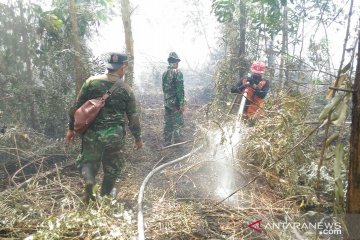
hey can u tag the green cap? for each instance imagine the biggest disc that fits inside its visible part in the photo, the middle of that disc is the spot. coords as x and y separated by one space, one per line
173 57
116 60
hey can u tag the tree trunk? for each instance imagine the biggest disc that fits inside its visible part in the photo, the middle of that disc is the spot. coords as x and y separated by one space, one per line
34 122
271 57
242 23
126 14
353 190
284 45
76 45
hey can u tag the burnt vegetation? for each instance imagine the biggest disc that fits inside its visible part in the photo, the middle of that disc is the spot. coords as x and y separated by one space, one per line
288 166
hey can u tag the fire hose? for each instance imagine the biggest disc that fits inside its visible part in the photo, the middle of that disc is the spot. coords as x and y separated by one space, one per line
245 95
140 217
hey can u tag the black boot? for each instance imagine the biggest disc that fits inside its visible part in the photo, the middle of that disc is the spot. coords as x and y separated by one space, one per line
89 177
178 135
167 139
107 185
178 138
89 193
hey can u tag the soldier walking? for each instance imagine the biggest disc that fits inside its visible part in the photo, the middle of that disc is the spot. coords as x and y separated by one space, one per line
104 141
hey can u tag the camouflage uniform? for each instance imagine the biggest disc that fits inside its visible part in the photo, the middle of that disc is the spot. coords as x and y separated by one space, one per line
103 142
173 88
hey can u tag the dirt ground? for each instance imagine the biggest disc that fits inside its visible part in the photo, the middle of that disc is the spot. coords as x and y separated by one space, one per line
182 201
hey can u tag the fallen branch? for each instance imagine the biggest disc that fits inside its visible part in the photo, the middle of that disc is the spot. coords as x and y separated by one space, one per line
342 89
37 176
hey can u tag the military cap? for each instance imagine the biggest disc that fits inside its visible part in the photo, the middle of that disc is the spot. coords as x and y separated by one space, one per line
173 57
116 60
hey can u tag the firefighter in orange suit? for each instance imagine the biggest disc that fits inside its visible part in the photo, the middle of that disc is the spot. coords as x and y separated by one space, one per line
256 88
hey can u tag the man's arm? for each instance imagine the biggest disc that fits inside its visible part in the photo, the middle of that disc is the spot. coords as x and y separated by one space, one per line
81 99
134 120
239 86
262 88
180 92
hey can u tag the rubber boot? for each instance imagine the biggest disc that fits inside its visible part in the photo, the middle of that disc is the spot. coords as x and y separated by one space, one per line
89 177
107 185
167 139
178 138
89 193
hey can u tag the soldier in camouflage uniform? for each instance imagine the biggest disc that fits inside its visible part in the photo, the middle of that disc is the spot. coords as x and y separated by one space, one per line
173 88
104 141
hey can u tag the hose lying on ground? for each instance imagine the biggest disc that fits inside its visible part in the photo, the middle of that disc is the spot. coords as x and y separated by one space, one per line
140 222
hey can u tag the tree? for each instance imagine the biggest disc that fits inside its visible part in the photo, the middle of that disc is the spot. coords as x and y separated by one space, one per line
353 190
17 73
242 31
284 49
76 45
34 123
36 53
129 41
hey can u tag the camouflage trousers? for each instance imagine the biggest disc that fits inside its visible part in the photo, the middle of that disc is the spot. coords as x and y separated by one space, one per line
103 147
173 124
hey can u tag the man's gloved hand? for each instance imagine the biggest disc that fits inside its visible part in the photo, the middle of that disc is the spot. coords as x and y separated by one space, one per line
239 89
242 87
246 85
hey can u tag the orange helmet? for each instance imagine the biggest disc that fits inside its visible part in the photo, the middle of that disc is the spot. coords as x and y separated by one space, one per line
257 67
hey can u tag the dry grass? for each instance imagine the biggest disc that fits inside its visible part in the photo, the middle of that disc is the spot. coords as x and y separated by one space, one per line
180 202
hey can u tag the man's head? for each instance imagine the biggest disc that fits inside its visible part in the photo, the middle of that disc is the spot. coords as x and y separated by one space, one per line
173 58
117 62
257 68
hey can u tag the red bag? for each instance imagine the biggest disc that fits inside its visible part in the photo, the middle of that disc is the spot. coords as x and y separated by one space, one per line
86 114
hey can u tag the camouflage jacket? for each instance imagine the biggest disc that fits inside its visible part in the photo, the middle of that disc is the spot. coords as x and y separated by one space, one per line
173 88
119 105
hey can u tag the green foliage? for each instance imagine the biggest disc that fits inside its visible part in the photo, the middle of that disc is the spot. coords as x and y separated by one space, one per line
296 173
51 62
266 13
225 77
223 10
318 52
330 107
276 134
336 111
48 21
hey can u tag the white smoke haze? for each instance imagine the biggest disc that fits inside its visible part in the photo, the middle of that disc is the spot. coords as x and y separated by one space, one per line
160 27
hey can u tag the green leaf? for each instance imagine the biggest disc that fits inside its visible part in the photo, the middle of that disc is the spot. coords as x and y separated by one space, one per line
340 111
223 10
332 138
337 84
329 107
339 157
346 68
342 77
